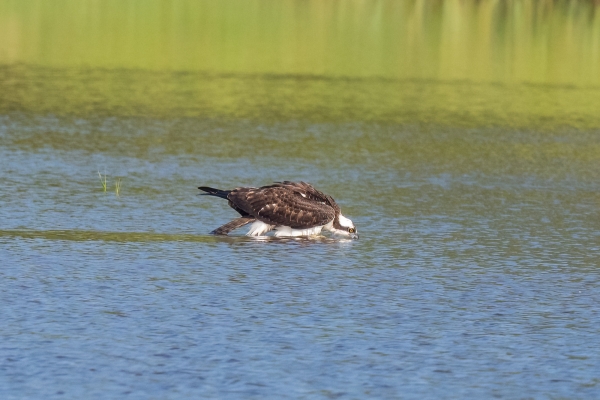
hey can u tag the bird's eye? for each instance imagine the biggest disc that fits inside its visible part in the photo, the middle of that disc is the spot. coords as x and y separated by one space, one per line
351 230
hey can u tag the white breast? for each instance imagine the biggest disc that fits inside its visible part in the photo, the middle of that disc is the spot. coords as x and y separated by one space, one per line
286 231
259 228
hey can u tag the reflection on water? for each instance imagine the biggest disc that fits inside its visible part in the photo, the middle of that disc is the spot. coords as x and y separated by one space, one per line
133 237
95 92
457 63
545 41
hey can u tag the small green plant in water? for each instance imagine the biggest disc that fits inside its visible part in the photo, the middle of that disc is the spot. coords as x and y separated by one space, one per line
102 181
118 187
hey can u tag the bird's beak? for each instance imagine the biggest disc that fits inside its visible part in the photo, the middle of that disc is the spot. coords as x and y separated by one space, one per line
354 236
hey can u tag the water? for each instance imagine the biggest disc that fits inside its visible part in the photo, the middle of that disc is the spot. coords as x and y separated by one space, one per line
467 155
475 274
542 42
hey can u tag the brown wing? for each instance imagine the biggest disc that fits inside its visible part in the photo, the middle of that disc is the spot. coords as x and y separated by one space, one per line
236 223
284 204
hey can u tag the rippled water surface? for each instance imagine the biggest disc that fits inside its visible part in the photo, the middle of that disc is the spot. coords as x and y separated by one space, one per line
475 275
462 138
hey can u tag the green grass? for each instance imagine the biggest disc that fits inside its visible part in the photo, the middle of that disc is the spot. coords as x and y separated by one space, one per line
118 187
102 180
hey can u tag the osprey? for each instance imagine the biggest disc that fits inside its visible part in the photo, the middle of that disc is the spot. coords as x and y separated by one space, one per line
288 208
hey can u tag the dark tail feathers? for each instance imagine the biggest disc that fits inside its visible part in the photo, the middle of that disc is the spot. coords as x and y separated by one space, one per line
214 192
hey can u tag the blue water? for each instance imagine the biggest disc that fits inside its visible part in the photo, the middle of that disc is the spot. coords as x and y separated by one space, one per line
470 280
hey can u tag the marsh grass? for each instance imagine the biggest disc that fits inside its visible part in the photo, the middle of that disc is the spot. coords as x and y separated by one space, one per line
102 180
118 187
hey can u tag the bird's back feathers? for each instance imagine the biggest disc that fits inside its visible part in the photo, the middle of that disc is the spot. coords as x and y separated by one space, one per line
295 205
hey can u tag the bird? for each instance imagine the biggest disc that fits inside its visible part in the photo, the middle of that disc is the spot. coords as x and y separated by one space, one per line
290 209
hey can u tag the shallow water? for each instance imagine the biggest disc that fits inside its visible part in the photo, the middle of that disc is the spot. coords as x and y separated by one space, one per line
462 138
475 275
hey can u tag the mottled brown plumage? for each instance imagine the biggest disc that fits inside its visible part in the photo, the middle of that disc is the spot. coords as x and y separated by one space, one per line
297 205
284 204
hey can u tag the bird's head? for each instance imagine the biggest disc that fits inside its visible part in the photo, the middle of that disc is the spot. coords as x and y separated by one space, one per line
344 227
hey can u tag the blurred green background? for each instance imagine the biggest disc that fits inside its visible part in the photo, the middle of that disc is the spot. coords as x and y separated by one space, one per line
514 63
